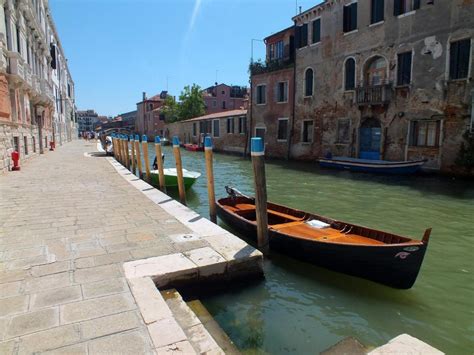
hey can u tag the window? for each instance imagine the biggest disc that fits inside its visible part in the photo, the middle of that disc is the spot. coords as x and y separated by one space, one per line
223 92
377 11
302 35
404 68
376 71
242 125
25 144
349 74
350 17
316 35
459 58
401 7
16 144
308 82
230 125
260 132
18 39
214 103
276 50
282 91
194 129
425 133
307 132
282 129
343 130
261 95
223 105
215 128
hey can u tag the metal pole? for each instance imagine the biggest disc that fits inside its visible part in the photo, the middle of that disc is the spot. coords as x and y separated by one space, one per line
179 170
159 162
258 163
210 178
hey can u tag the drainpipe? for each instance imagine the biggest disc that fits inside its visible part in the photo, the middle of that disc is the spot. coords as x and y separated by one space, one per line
248 134
288 153
39 122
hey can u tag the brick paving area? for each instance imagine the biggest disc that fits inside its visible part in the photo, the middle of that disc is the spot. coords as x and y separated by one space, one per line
68 221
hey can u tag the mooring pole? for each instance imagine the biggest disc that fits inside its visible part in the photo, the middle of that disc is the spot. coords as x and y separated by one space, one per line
258 163
127 153
124 155
159 162
210 178
117 148
132 150
119 143
114 145
137 153
145 157
179 170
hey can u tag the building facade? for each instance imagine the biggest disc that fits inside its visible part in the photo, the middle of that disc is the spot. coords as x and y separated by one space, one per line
149 118
385 79
228 130
36 88
222 97
86 120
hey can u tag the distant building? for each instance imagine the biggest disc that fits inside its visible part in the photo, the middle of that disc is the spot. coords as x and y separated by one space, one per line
86 120
149 118
129 118
222 97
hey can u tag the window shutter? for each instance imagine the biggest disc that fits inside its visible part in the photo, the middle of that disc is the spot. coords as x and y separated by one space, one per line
52 50
304 35
353 16
298 36
317 30
345 19
453 60
397 7
416 4
350 74
464 50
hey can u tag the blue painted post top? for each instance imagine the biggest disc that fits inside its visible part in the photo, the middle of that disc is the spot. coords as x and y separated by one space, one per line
176 141
207 142
131 138
157 139
137 137
256 146
144 138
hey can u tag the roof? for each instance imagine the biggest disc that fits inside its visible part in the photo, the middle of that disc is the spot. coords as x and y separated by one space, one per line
320 5
278 33
218 115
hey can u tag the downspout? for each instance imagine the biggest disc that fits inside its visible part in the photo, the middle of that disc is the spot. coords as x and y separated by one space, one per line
288 153
248 134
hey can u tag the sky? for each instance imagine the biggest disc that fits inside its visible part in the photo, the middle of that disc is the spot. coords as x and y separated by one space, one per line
117 49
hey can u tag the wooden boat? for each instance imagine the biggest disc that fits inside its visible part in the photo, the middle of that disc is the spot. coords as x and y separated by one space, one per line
171 178
372 166
379 256
193 148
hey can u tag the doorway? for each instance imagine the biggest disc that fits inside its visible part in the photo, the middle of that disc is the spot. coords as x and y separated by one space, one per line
370 135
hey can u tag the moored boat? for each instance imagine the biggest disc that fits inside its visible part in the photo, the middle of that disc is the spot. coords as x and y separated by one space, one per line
372 166
379 256
171 178
193 148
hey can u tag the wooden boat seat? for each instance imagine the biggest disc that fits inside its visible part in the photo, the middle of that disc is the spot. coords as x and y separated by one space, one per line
302 230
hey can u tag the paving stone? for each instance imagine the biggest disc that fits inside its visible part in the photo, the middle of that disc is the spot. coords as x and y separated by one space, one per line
7 347
97 273
12 275
200 338
153 251
13 305
149 300
62 279
110 324
53 268
165 332
33 321
183 347
209 261
104 287
10 289
76 349
50 339
55 297
3 327
135 342
95 308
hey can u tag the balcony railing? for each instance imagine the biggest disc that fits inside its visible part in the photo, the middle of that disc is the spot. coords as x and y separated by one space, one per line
16 65
260 67
374 94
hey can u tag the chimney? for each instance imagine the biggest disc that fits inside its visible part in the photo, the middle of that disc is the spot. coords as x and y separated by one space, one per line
300 9
144 96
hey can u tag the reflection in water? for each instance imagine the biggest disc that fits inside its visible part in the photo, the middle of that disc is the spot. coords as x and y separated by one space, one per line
302 308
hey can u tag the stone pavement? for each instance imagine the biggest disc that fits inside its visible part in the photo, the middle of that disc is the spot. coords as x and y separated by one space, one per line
68 222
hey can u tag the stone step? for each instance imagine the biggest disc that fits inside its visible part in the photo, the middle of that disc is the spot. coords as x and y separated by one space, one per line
197 334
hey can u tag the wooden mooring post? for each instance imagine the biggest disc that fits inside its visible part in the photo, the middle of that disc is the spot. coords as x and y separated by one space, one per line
146 158
120 150
132 151
257 153
159 162
114 145
179 170
127 153
210 178
138 155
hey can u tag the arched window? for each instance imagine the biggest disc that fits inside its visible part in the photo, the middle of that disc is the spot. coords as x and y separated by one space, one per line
376 71
308 82
349 74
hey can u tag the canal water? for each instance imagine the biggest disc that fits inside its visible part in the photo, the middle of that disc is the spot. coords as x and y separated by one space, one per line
301 308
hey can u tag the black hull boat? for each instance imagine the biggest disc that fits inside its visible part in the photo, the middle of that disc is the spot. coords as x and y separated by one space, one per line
359 251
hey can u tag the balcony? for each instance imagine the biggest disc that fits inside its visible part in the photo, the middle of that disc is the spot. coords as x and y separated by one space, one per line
46 90
374 95
260 67
16 65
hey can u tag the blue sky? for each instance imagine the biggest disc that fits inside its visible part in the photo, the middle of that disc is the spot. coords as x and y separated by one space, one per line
117 49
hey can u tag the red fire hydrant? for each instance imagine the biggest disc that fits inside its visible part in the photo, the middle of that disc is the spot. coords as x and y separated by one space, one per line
52 145
16 160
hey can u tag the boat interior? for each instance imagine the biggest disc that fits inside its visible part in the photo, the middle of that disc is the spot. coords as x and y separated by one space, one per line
295 223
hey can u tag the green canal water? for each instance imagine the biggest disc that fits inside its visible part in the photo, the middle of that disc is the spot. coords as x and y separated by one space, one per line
301 308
